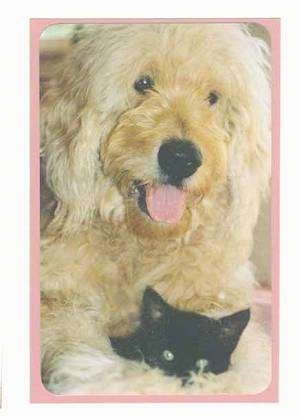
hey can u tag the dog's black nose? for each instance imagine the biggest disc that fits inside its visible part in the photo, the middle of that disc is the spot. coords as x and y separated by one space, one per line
178 159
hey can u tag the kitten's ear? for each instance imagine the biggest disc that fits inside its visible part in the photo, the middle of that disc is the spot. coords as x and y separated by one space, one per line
232 328
153 306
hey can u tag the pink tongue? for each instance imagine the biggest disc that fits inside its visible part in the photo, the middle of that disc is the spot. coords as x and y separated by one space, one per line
165 203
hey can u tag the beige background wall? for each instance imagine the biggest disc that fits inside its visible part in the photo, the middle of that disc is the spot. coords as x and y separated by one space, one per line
261 255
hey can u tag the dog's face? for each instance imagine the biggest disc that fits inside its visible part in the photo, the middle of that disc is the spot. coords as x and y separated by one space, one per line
148 122
168 149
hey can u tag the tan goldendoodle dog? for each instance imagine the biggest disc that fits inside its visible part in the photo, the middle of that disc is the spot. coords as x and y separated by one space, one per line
156 144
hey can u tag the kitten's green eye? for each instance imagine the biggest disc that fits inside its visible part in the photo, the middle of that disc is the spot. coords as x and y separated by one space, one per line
168 355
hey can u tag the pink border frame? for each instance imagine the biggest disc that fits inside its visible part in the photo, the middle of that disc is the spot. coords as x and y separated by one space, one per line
38 394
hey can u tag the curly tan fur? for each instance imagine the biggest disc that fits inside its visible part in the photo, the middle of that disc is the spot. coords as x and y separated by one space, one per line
100 250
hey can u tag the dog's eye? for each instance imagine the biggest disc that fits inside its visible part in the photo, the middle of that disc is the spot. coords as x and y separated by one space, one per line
213 97
143 84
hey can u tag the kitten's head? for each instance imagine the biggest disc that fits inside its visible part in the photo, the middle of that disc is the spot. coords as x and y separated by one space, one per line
180 342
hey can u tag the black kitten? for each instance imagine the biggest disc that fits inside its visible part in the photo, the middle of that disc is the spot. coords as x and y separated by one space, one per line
179 342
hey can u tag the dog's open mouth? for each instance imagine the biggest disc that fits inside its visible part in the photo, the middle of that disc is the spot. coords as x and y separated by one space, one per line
161 202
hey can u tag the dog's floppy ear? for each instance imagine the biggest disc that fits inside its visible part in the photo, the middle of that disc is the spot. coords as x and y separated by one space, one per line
249 124
71 132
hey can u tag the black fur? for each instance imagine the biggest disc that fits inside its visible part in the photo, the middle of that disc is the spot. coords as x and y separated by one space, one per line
188 336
